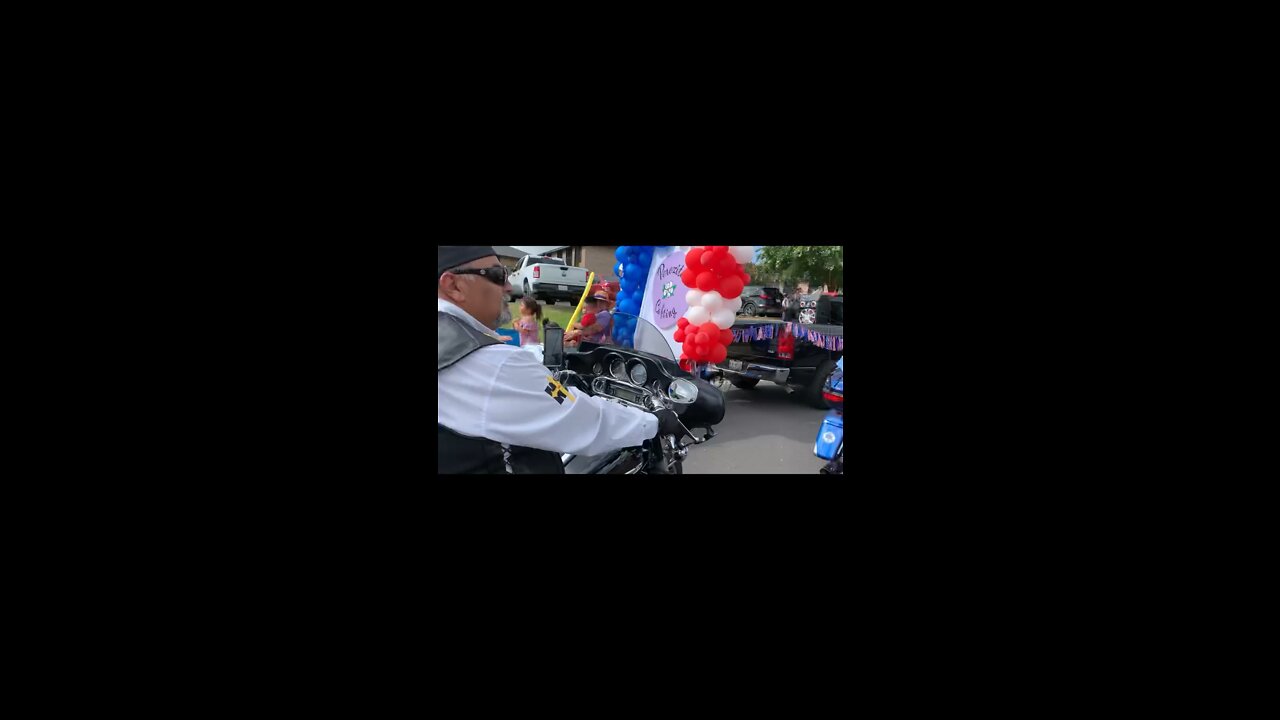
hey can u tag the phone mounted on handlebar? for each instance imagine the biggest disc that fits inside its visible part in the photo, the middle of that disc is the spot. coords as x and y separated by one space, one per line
553 345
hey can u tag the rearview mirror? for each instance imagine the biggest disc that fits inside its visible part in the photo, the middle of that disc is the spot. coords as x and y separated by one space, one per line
682 391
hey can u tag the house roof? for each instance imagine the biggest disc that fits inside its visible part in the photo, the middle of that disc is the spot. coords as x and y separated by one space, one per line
508 251
554 249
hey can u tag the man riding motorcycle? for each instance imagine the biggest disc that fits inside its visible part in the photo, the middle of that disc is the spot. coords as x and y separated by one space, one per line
498 409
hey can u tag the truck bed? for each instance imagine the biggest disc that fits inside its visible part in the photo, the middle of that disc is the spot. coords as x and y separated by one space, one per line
758 358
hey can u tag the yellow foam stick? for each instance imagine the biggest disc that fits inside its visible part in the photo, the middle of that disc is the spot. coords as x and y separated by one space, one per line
573 318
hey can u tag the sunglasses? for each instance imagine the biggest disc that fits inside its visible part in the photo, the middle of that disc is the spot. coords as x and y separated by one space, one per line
496 274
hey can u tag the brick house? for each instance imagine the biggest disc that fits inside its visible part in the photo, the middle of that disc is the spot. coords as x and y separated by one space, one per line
508 255
597 258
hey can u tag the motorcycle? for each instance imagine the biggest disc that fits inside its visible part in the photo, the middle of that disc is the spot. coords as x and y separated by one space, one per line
829 444
642 373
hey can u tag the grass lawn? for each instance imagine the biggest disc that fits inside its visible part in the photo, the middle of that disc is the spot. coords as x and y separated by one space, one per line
558 314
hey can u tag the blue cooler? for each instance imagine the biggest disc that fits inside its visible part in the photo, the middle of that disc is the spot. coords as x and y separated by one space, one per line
830 437
512 336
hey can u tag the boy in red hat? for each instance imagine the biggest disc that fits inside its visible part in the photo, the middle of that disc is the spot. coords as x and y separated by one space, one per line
596 323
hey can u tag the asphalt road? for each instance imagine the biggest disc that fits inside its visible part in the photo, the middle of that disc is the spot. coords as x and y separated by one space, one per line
764 431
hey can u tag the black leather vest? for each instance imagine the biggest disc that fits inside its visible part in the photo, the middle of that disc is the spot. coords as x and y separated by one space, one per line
460 454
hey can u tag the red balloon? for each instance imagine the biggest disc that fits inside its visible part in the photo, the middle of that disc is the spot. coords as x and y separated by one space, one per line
702 338
718 249
686 364
718 353
682 322
588 319
709 328
726 337
694 259
727 265
746 279
706 281
689 277
679 336
731 287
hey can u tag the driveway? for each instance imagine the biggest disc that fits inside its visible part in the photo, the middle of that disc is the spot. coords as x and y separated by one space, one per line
764 431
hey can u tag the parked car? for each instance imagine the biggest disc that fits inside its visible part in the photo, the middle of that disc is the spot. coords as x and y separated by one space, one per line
547 279
759 300
790 361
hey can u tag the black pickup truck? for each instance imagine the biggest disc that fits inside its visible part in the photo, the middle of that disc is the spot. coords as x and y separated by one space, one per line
787 359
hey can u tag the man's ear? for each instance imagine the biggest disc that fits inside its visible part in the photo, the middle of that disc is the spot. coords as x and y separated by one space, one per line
452 288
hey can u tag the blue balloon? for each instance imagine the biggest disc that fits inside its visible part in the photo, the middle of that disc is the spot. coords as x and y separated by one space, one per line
621 253
632 270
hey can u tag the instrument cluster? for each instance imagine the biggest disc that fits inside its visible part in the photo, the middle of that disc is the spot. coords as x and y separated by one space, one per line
618 375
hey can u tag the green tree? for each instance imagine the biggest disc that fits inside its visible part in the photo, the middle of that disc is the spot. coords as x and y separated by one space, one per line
815 263
762 276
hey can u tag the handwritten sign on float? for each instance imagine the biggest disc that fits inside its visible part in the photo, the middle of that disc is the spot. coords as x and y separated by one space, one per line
669 304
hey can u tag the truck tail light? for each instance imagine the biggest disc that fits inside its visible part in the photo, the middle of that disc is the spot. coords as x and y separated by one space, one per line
535 272
786 343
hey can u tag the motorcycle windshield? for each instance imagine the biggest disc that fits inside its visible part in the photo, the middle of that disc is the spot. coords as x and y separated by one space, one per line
636 333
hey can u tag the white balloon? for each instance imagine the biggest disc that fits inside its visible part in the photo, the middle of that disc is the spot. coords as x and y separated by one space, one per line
734 304
712 301
698 315
693 298
723 318
742 253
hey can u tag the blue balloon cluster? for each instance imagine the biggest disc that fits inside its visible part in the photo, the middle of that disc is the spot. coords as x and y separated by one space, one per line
633 269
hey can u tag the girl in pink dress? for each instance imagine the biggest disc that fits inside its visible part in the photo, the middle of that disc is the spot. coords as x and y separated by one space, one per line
527 325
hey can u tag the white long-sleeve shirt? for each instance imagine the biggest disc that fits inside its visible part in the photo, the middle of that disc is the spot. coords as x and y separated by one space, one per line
502 393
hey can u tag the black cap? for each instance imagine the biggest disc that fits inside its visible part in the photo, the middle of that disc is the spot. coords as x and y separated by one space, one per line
451 256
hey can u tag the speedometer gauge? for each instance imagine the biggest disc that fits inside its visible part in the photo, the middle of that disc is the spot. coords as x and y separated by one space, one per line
618 369
638 373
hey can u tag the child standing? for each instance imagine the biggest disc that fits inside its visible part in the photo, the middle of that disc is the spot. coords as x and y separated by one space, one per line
527 324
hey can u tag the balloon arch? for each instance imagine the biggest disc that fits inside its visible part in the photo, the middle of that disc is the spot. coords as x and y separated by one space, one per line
714 279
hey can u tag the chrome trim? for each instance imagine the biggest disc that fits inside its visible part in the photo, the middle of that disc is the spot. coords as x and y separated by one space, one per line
600 386
779 375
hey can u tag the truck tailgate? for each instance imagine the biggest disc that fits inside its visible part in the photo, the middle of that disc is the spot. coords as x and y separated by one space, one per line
562 274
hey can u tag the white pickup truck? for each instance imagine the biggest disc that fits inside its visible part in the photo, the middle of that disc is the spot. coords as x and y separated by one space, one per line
547 279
